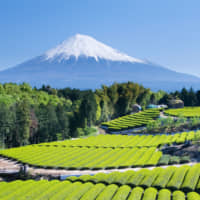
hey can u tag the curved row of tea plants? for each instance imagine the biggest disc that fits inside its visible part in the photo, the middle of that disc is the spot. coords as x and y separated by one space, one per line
184 178
127 141
84 158
184 112
59 190
132 121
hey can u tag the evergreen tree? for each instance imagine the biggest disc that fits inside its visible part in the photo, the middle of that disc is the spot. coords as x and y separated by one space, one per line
22 122
7 125
198 97
184 97
192 99
63 121
88 109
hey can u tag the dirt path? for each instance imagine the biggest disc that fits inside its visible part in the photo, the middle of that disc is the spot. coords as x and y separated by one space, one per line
8 166
11 166
162 115
58 172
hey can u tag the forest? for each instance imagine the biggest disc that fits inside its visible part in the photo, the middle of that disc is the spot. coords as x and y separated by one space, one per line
30 115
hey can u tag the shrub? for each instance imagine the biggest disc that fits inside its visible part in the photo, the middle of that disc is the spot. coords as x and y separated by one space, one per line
94 192
178 195
193 196
164 160
177 178
108 193
164 194
174 160
136 193
122 193
150 193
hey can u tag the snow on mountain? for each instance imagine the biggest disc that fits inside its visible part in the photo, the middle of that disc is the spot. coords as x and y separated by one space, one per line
83 45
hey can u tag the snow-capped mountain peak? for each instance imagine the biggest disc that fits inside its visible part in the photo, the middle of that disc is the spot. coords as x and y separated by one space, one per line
83 45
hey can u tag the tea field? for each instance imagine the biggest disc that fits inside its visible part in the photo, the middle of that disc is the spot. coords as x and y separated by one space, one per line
99 152
184 112
184 178
59 190
132 121
125 141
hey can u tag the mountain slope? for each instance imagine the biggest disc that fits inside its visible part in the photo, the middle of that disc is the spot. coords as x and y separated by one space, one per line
83 62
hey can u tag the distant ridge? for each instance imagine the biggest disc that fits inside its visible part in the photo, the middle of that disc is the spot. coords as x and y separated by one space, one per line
85 63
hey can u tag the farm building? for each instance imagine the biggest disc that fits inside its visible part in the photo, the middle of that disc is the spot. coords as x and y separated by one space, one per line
176 103
136 108
150 106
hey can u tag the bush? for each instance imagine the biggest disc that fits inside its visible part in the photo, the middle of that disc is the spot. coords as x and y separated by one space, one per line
150 193
177 178
94 192
122 193
193 196
136 193
178 195
185 159
174 160
108 193
164 194
191 178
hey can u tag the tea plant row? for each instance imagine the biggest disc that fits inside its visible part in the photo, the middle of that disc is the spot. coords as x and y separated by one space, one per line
59 190
84 158
127 141
132 121
183 178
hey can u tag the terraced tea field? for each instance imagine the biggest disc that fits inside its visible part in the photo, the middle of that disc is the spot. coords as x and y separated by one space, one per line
85 158
185 112
59 190
106 152
100 152
132 121
185 178
124 141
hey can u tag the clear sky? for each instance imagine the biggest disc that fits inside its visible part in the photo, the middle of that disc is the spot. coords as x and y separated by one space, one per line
164 32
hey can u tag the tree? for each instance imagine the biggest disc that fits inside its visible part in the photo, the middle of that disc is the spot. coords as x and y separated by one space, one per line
22 122
165 99
184 97
43 130
153 98
198 97
33 127
7 124
192 99
88 109
63 121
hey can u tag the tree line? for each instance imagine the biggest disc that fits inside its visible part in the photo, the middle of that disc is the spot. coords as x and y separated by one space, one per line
190 97
30 115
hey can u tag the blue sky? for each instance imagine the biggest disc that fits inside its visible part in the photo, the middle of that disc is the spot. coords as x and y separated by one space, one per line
164 32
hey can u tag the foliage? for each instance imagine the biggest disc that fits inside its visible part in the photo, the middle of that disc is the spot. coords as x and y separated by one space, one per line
114 151
83 158
57 190
128 141
131 121
169 124
185 112
185 178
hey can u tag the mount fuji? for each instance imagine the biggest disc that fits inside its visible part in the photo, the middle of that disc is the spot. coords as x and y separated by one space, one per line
85 63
